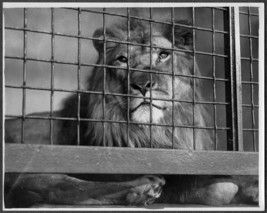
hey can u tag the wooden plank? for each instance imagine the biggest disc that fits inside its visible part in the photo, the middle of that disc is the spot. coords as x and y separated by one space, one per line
71 159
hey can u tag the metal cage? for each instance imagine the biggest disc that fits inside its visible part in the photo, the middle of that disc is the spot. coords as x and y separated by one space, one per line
232 86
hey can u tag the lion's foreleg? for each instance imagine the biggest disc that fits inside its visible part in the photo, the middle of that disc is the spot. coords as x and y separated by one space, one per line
63 189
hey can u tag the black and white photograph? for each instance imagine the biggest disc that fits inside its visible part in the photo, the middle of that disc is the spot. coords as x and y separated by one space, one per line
133 106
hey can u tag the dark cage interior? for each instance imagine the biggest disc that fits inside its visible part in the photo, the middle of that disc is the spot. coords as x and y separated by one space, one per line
200 91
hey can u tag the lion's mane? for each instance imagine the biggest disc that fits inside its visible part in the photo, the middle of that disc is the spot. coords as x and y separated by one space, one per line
91 105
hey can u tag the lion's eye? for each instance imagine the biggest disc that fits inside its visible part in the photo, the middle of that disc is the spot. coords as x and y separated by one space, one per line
122 59
163 55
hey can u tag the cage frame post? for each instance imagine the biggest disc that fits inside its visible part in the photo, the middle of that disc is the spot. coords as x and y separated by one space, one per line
235 138
238 82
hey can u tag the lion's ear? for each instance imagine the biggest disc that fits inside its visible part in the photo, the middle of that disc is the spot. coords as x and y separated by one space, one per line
99 34
183 35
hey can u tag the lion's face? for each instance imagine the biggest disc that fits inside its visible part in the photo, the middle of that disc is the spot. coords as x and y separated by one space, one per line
146 89
151 88
155 89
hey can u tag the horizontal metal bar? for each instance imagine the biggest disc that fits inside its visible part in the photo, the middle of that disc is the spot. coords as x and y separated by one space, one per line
249 36
220 8
252 130
246 13
250 82
108 160
123 42
249 59
250 105
109 66
110 121
115 94
211 54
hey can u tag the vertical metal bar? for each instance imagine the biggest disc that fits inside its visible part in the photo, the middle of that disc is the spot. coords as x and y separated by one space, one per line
52 74
231 143
251 79
214 81
236 86
194 73
229 74
150 75
128 78
238 79
173 74
78 77
104 76
24 76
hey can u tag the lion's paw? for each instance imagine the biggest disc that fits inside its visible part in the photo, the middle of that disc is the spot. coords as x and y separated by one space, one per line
147 189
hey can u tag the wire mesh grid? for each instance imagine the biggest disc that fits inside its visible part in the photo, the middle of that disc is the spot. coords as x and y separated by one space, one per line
250 35
217 105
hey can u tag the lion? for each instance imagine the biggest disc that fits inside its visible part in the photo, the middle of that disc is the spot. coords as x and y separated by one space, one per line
144 82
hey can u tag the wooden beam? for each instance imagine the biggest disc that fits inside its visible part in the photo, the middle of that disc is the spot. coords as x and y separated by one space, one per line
83 159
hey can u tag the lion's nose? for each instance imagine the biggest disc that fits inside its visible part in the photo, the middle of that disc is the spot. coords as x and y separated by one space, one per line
143 87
